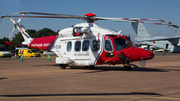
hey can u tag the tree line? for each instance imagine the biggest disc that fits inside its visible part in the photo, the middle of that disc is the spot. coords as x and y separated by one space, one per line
18 39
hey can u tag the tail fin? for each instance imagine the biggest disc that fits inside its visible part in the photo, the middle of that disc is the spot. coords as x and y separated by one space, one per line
139 29
27 38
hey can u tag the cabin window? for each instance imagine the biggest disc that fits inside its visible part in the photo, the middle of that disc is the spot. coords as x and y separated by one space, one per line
108 45
69 46
85 46
95 45
77 46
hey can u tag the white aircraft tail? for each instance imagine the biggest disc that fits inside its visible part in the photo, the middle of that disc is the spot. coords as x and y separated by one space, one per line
139 29
27 38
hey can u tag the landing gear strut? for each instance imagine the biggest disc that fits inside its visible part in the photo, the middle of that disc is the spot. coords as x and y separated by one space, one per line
127 66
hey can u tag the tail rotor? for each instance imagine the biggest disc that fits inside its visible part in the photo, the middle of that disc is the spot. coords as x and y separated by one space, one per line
11 33
15 25
20 18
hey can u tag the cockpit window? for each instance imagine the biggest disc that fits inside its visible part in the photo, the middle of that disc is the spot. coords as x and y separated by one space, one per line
121 43
129 39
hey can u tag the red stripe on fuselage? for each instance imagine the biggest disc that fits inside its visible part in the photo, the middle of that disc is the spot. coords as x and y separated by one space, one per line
43 43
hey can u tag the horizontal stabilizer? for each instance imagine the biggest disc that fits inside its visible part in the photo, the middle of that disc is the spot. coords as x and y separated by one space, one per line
8 43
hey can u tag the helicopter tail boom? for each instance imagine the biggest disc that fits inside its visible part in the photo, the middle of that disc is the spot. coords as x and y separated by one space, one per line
43 43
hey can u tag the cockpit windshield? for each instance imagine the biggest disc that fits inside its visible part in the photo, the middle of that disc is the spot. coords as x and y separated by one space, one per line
121 43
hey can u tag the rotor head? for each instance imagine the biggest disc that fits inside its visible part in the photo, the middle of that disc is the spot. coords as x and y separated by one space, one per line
89 17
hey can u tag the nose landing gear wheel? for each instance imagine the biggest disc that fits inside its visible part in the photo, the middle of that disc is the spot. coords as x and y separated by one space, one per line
127 66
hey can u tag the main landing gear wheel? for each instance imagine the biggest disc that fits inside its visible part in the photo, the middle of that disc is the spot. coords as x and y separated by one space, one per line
127 67
63 66
92 66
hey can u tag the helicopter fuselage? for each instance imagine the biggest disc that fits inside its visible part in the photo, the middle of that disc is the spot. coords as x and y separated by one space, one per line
88 44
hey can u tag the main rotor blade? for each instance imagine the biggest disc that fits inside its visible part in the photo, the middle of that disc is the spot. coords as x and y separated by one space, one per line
138 20
59 15
149 23
91 19
39 16
85 18
44 16
131 19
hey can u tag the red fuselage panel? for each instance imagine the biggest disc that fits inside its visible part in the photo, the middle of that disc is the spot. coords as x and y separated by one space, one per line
128 54
43 43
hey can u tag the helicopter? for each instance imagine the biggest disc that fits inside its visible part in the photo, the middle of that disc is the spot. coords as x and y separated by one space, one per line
87 44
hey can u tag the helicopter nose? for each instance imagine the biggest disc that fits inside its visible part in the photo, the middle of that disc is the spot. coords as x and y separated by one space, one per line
146 54
138 54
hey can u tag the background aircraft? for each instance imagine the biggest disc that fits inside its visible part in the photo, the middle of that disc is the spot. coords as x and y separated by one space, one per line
170 43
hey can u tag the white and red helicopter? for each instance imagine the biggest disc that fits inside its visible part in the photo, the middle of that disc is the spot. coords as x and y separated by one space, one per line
87 44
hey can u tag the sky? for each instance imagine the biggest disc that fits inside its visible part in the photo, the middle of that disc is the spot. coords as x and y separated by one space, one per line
149 9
